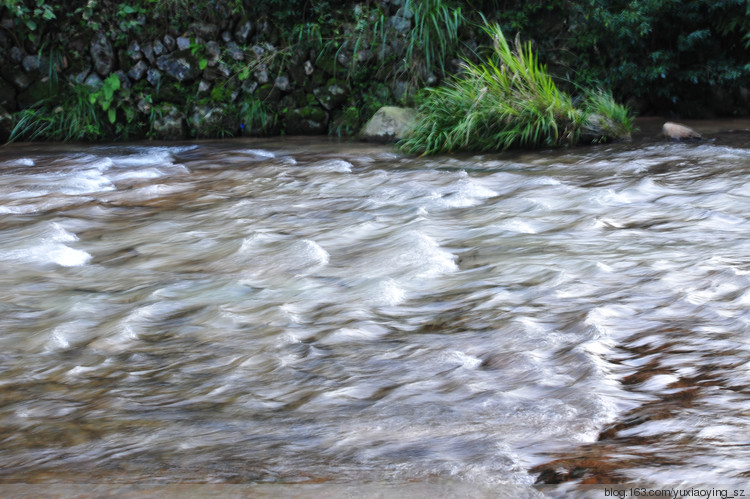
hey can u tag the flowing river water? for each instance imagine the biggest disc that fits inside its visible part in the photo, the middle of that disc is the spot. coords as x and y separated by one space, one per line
342 317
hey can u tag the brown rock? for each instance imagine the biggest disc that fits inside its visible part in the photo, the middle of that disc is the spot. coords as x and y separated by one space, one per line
674 131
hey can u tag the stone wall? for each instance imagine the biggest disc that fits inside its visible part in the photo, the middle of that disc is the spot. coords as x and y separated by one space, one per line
235 76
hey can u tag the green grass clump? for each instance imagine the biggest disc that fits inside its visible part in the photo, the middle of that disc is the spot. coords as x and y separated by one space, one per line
508 100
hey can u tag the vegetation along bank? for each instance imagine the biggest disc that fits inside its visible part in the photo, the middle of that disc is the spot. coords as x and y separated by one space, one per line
171 69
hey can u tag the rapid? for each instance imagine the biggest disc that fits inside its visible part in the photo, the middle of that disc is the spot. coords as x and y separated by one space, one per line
303 311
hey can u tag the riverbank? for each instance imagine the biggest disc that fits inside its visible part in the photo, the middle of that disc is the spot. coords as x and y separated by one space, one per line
101 71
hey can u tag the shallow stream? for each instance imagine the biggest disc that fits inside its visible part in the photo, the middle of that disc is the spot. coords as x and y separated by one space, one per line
304 311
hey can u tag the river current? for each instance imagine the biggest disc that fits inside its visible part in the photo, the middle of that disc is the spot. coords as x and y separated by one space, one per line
309 312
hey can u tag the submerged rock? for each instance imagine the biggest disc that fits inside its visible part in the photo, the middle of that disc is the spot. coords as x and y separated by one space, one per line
675 131
389 124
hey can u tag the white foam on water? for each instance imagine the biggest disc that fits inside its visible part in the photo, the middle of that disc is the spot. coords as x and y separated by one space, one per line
467 193
21 162
389 292
427 254
50 248
83 182
462 359
333 165
311 252
258 153
517 225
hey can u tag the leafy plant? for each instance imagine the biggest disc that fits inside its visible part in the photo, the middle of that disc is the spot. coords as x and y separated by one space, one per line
105 96
507 100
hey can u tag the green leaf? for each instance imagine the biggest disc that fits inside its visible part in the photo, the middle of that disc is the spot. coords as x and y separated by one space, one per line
112 114
202 64
30 24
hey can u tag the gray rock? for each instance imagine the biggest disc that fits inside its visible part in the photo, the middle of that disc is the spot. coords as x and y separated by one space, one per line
332 95
675 131
181 65
399 24
205 30
235 52
134 51
169 42
226 36
213 52
159 48
153 76
204 86
80 77
138 71
16 56
309 68
282 83
124 80
148 52
224 70
261 74
102 54
258 50
31 63
389 124
169 123
94 81
183 43
244 31
249 86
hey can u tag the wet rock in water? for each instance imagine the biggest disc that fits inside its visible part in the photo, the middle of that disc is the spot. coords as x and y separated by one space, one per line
102 54
389 124
675 131
169 124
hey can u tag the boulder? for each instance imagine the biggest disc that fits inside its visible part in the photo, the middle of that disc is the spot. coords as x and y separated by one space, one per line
674 131
102 54
388 124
